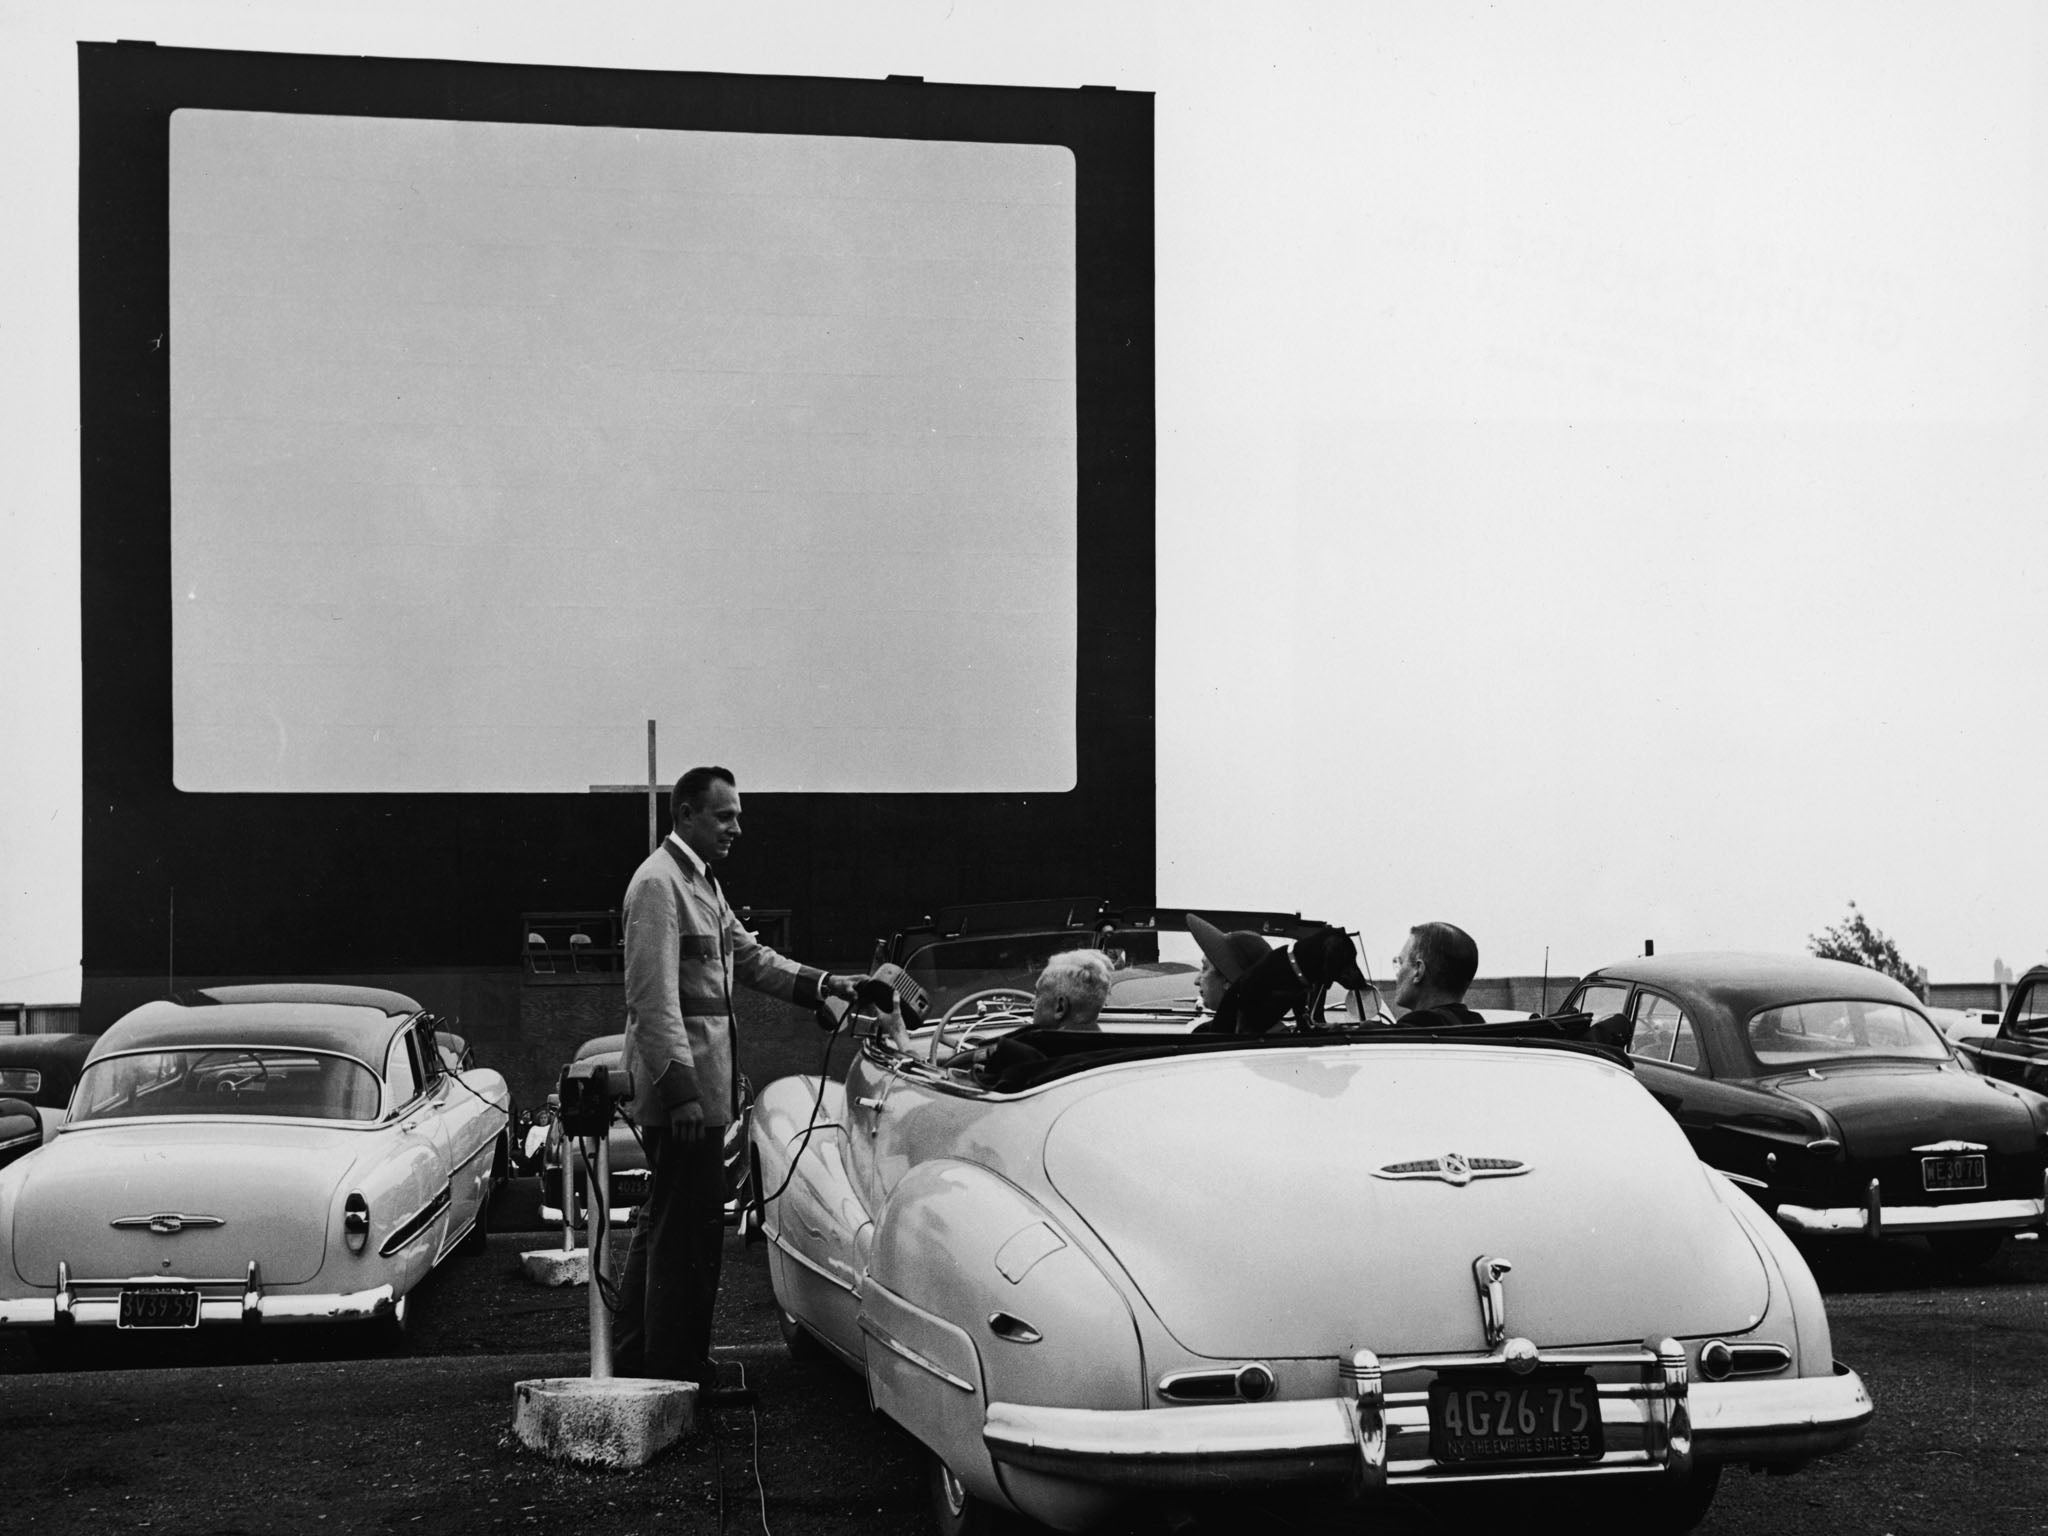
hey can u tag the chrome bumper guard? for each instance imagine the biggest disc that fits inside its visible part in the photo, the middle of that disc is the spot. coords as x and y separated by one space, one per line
1873 1218
1655 1426
97 1303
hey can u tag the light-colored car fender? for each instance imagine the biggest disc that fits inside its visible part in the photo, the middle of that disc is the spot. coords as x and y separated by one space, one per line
1797 1313
975 1295
818 1232
396 1188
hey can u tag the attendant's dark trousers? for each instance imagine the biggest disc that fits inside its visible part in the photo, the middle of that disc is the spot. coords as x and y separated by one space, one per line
663 1325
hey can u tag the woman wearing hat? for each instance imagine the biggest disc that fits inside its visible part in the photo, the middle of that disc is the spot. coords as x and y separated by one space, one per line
1225 958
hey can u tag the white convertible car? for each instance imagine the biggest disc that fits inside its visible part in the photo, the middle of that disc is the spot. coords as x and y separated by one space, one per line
1085 1268
253 1155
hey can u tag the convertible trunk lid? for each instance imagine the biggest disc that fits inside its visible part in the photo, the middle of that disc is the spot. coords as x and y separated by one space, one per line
273 1188
1294 1204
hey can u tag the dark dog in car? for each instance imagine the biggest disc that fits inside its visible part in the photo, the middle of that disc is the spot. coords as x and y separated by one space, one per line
1286 982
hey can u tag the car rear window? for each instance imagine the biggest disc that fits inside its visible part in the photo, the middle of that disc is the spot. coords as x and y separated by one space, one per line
1808 1034
288 1084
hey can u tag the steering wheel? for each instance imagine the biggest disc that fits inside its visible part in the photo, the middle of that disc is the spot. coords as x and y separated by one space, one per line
234 1085
977 1000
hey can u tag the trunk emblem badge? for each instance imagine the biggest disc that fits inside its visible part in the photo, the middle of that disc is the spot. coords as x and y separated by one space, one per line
1454 1168
166 1223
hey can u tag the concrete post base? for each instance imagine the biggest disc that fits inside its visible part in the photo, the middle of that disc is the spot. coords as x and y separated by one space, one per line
556 1266
620 1421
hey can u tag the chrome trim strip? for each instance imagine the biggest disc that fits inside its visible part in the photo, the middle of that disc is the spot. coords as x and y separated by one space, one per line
1960 1217
889 1342
790 1251
1742 1178
166 1223
410 1230
1453 1168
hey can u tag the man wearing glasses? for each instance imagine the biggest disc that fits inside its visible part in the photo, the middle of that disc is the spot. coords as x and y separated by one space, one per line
1431 974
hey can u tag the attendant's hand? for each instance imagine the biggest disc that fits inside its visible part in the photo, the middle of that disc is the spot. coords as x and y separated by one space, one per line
846 987
686 1123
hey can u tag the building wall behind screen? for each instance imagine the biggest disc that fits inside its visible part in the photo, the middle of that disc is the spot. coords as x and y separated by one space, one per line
889 762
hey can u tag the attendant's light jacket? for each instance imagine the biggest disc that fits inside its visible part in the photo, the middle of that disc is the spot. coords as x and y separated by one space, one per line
684 951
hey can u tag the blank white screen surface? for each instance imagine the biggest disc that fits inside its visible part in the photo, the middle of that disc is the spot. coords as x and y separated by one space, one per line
491 442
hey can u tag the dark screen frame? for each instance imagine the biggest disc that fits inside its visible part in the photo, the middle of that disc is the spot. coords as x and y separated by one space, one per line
304 884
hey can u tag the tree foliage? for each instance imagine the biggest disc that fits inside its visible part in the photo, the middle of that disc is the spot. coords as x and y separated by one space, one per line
1854 940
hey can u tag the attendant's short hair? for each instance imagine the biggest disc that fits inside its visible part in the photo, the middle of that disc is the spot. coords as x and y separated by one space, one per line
1449 957
691 787
1081 976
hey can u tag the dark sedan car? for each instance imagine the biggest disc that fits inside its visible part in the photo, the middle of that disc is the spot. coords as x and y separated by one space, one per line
2018 1052
1822 1089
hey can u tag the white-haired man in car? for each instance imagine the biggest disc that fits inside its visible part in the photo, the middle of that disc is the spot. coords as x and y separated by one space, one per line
1072 989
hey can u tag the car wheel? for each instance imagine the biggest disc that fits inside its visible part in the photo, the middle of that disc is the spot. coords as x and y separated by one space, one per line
956 1512
1965 1250
796 1338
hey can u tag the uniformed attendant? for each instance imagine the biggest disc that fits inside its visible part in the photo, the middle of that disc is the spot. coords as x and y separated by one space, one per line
684 951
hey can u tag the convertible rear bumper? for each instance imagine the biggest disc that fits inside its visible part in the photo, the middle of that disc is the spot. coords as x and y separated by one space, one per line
1659 1429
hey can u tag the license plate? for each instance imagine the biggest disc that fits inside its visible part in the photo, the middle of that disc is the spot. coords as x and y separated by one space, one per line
630 1186
1952 1172
1496 1417
159 1307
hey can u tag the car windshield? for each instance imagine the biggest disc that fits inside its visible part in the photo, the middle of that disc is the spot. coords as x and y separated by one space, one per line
217 1080
951 969
1806 1034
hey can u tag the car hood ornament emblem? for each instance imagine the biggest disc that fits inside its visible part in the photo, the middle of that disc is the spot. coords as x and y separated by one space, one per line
1454 1168
166 1223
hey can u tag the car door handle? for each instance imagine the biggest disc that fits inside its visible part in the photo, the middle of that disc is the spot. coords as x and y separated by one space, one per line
876 1105
411 1125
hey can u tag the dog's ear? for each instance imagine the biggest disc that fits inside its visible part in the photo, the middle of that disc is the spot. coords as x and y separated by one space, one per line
1341 966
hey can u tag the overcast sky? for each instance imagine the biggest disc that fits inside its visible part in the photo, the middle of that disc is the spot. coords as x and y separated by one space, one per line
1601 451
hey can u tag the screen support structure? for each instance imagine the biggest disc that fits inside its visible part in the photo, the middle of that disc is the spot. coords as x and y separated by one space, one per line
652 788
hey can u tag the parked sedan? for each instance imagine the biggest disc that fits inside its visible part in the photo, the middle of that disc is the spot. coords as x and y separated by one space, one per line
1138 1263
37 1073
245 1155
1823 1090
625 1154
2016 1047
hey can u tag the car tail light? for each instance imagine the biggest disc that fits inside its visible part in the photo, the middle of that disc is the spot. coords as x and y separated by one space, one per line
1237 1384
355 1222
1720 1360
